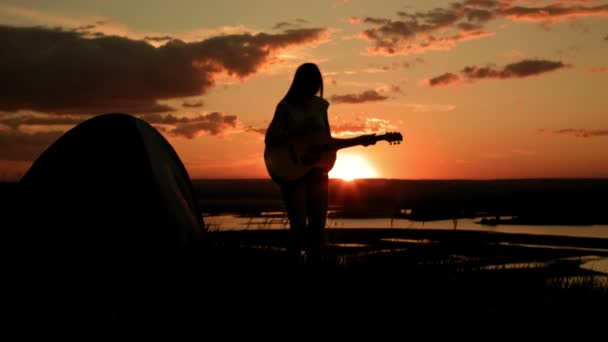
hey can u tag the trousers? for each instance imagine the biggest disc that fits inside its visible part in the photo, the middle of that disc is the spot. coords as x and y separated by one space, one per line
306 202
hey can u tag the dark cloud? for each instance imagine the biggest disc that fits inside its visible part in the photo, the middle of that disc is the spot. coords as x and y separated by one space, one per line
85 28
423 31
444 79
158 38
525 68
190 127
553 12
281 25
366 96
395 65
290 24
442 28
14 121
606 38
583 133
64 72
19 146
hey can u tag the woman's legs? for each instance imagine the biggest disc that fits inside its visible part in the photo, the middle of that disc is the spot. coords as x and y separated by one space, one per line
317 191
306 202
294 198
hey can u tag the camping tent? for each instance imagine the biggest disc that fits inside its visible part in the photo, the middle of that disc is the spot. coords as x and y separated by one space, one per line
108 204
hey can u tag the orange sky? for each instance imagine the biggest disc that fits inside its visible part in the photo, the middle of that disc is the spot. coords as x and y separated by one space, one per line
479 89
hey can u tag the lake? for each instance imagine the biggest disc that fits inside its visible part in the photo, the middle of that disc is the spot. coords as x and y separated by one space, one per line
277 220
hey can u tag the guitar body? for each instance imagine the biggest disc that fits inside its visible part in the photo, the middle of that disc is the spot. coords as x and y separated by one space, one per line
295 159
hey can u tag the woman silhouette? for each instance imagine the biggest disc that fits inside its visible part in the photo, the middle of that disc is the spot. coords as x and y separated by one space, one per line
303 112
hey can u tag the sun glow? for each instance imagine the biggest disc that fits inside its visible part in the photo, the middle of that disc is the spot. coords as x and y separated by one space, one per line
350 166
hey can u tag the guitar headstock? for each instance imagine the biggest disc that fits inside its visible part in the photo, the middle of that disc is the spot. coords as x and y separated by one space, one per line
393 138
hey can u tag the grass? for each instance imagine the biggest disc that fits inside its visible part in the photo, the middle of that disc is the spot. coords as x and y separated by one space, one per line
377 281
394 281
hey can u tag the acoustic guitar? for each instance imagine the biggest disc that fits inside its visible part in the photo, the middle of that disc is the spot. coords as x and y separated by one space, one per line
292 160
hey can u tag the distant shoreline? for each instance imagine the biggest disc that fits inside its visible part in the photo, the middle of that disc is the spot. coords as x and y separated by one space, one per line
528 201
576 201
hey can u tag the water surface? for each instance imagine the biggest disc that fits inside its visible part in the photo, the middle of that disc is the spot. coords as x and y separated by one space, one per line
277 220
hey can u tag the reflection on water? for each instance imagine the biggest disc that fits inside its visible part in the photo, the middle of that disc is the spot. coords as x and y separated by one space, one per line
597 265
515 265
278 220
553 246
416 241
349 245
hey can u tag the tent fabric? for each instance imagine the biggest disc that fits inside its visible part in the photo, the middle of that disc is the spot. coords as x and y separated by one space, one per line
112 176
105 212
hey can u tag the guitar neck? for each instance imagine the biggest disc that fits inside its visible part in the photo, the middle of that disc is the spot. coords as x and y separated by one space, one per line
294 159
337 144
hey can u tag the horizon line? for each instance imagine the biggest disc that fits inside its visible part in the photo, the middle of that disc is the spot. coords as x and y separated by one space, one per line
413 179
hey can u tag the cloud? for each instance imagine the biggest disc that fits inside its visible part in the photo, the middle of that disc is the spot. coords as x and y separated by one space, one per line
66 72
444 79
362 126
606 38
158 38
442 28
429 107
196 104
524 68
258 130
214 123
395 89
394 65
25 137
293 24
554 12
582 133
356 127
437 29
520 69
366 96
20 146
598 70
14 121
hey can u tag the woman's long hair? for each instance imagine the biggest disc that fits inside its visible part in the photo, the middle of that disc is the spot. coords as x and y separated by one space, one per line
307 82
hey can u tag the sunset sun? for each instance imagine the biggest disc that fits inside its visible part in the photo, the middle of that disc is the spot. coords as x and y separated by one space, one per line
350 166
